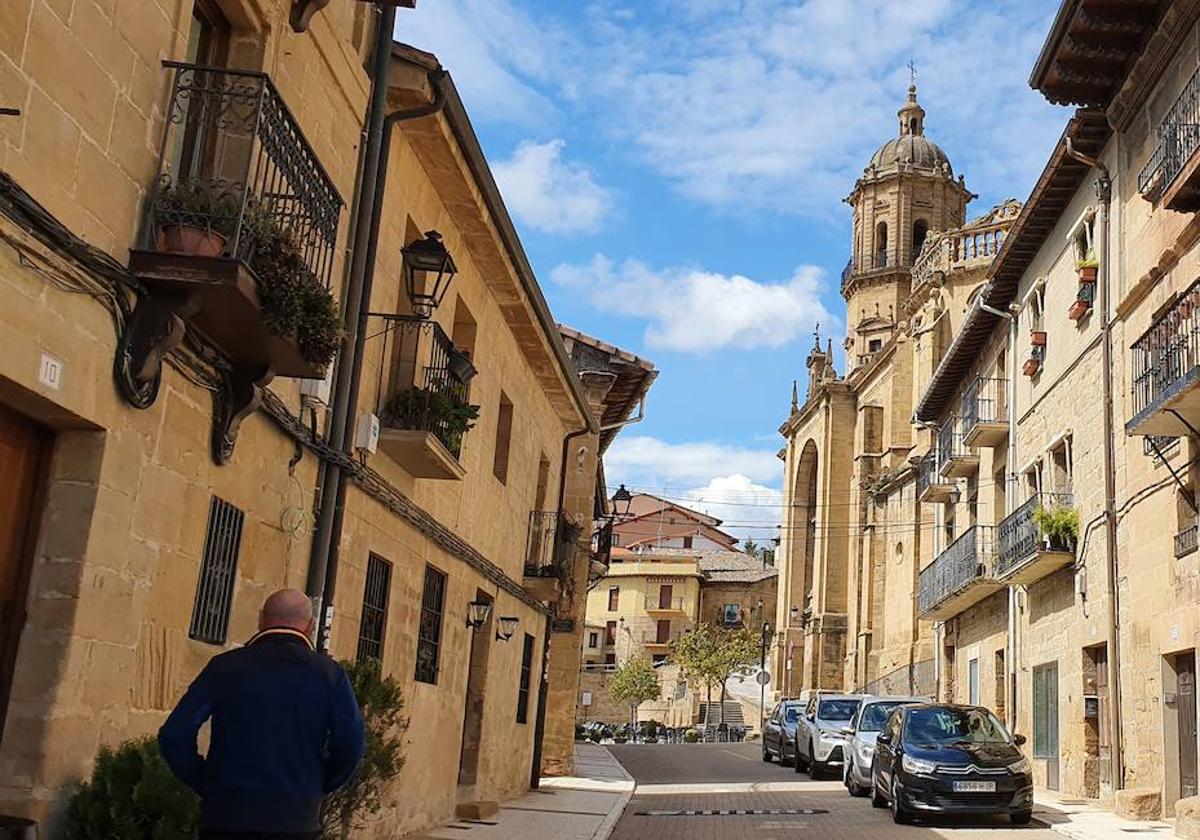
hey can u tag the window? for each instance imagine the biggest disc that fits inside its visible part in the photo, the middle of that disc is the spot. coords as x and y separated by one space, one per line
1061 468
526 678
616 539
874 345
610 633
614 598
610 659
687 542
218 567
208 40
920 231
731 614
374 609
973 682
881 244
593 639
662 632
1045 711
429 634
543 481
503 438
665 593
999 705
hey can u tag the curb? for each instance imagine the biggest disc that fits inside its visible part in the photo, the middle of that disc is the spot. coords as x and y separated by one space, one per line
605 829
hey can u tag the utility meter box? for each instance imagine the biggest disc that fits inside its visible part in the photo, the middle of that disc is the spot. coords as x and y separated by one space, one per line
366 434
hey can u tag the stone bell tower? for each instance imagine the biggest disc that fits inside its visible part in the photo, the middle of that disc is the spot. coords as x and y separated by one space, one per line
907 192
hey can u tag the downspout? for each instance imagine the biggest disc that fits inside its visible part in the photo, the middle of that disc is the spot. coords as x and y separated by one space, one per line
1010 394
1104 200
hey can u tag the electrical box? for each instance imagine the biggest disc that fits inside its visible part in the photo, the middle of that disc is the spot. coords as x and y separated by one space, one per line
317 390
366 433
1091 707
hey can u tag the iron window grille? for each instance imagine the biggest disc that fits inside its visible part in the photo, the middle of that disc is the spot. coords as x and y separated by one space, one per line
429 634
525 681
218 568
1178 138
1166 359
373 623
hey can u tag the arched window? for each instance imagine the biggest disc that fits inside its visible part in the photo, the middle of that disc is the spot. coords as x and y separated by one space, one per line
881 244
920 231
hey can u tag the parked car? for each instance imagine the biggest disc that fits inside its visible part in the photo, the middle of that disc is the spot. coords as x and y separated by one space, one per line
820 735
943 759
864 728
779 732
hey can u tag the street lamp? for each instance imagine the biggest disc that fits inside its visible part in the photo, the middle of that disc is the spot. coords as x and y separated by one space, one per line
477 614
507 627
621 501
428 270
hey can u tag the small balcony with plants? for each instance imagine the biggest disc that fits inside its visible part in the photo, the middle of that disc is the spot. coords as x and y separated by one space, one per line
932 486
549 555
984 412
1037 539
1166 371
1087 268
425 412
956 459
960 577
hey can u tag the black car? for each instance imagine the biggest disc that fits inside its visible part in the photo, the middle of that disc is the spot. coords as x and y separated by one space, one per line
779 735
942 759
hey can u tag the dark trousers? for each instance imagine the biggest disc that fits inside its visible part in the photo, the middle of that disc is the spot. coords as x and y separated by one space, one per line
256 835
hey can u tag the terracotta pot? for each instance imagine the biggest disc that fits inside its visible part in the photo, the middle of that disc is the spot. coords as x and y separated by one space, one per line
1078 309
1037 338
190 241
1088 274
1032 366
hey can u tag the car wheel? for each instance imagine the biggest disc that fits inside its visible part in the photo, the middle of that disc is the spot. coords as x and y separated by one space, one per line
814 766
766 754
878 800
851 785
900 815
1021 818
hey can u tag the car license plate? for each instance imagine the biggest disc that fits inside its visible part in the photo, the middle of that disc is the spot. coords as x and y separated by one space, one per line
974 787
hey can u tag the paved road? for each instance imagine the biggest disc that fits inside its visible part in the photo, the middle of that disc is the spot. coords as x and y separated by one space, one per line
714 777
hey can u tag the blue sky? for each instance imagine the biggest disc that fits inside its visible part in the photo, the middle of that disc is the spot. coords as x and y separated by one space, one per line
677 167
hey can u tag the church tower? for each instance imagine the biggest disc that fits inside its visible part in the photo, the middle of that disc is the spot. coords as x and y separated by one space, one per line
907 192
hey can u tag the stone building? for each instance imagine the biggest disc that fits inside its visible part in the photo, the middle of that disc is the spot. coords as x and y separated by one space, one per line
660 523
163 438
1054 429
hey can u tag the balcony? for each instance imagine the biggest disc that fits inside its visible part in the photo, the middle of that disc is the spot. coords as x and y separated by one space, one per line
655 644
931 486
960 577
662 607
548 556
1185 542
426 412
985 412
956 459
1173 173
1025 555
240 235
1166 370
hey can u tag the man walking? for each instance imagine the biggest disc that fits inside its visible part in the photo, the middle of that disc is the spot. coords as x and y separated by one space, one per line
286 730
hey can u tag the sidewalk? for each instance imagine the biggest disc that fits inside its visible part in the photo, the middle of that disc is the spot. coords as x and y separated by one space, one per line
1083 819
585 806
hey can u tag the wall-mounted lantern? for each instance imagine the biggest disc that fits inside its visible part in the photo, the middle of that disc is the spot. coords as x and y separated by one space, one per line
428 270
621 501
507 627
477 614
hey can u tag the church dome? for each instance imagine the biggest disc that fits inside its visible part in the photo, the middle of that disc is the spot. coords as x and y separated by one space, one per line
912 148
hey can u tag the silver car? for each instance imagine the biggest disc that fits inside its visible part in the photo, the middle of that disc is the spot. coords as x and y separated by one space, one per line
864 728
820 735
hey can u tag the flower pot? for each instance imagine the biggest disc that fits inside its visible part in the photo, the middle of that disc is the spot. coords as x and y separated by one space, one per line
1037 338
1078 309
1032 366
190 240
461 367
1087 274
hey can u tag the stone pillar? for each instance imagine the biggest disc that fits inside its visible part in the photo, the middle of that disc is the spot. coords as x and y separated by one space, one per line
566 648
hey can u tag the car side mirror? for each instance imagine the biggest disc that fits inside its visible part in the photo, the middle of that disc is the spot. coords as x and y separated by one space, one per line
847 730
1019 740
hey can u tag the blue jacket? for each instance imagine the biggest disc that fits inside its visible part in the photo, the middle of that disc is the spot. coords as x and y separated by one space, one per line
286 730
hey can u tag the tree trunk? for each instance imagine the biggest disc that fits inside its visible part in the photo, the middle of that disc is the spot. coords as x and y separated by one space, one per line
722 704
708 712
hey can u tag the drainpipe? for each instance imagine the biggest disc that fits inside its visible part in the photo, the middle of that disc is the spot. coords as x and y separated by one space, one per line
1010 394
1104 200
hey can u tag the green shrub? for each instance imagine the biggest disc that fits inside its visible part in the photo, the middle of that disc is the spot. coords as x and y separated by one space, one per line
132 795
596 737
691 736
1059 525
432 410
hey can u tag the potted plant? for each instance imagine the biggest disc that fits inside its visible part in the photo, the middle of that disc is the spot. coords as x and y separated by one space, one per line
1037 338
1088 267
1058 527
1032 365
192 220
1080 307
432 411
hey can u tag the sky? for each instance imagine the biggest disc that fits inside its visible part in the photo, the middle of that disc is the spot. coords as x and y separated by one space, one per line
677 170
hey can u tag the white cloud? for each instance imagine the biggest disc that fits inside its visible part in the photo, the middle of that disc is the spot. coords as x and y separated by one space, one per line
747 509
696 311
649 463
551 194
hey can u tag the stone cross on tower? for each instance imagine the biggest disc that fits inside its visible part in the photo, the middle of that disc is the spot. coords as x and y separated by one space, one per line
912 72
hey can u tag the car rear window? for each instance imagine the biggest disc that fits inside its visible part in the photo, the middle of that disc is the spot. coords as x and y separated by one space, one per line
875 715
837 709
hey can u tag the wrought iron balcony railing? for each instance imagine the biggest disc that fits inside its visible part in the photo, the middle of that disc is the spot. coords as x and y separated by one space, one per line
967 559
234 162
927 472
984 402
602 543
950 443
1178 140
547 551
663 604
1018 535
1185 542
426 391
1166 359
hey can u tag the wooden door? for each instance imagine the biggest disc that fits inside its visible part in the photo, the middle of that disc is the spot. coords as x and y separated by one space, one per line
664 596
1104 740
22 452
1185 707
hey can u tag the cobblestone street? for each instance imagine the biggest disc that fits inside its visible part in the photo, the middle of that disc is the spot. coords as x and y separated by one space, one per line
676 783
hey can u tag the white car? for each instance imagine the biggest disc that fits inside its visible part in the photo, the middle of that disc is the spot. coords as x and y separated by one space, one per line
820 733
864 728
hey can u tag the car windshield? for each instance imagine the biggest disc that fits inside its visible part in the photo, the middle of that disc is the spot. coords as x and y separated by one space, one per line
791 713
954 726
875 715
837 709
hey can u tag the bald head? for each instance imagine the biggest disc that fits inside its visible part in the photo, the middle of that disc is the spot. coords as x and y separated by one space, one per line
287 608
